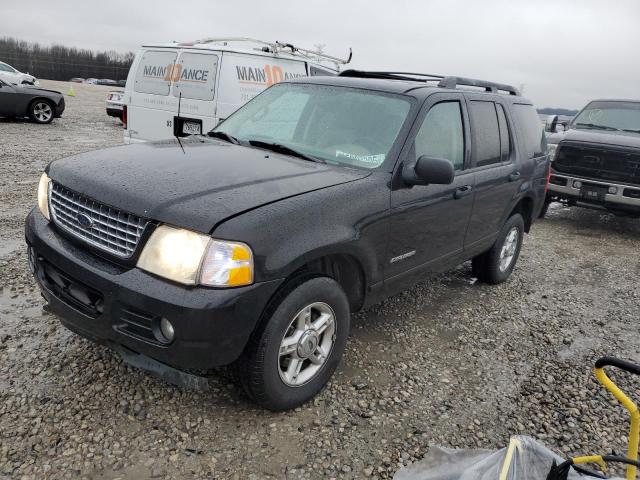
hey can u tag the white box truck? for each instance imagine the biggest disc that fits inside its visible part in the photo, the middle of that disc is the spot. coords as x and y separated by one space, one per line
180 89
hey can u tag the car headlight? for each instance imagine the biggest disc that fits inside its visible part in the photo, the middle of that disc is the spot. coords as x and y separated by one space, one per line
43 195
193 258
551 150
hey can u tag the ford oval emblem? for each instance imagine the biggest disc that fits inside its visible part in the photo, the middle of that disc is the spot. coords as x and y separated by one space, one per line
84 221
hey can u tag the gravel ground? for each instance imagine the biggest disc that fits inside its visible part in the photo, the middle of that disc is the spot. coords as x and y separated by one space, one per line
449 362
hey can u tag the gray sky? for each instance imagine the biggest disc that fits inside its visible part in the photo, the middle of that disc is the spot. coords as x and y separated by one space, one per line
565 52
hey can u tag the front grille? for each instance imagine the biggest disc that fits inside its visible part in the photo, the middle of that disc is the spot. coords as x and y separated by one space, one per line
104 227
612 164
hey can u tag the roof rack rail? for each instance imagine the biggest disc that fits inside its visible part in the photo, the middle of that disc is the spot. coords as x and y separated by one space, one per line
277 47
391 75
453 82
443 81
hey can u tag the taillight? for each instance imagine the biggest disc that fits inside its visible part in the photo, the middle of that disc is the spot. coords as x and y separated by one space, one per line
109 96
124 116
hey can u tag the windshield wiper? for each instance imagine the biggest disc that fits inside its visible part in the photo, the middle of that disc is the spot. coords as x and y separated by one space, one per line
630 130
223 136
280 148
600 127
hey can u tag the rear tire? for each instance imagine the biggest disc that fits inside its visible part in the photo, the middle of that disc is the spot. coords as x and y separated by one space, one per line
294 354
41 111
495 265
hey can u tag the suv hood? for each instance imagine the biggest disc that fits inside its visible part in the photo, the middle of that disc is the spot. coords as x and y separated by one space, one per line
623 139
210 182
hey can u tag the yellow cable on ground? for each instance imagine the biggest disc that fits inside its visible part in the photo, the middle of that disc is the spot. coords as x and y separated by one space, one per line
591 459
506 465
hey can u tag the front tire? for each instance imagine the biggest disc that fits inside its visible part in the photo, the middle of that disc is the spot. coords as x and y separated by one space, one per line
294 354
495 266
41 111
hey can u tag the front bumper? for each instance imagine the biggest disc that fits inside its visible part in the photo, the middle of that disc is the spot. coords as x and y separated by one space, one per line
59 110
564 187
114 109
113 305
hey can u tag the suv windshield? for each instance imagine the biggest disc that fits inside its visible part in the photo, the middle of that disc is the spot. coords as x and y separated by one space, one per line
336 125
624 116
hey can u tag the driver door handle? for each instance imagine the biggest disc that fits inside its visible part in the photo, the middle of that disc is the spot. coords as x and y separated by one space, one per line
514 176
462 191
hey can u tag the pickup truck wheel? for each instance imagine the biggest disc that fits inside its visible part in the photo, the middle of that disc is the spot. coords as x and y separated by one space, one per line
291 359
496 265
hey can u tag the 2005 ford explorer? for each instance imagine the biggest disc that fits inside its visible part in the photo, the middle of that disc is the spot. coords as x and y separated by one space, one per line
253 244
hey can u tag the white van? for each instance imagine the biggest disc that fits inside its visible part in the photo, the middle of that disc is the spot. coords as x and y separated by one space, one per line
181 89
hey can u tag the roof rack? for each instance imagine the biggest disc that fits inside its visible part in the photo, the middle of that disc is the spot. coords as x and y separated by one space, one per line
443 81
276 47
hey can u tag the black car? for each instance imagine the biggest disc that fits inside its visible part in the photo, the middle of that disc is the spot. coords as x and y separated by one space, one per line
253 245
596 160
40 105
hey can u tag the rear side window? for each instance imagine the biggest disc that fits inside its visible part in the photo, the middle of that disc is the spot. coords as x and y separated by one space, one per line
485 132
194 76
441 134
505 134
317 71
535 142
154 72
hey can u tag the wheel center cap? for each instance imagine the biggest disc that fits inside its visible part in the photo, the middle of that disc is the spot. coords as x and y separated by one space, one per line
307 344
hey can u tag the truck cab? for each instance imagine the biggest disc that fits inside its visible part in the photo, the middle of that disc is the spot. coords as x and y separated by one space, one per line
596 160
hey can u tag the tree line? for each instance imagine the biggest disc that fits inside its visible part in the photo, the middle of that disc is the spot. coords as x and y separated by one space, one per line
58 62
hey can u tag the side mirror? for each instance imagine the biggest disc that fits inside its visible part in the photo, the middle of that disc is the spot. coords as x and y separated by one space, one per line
428 170
551 124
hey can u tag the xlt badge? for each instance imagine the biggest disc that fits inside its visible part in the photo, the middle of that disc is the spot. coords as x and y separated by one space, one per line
403 256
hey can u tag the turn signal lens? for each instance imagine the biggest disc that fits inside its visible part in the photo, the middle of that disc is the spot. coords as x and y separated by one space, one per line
43 195
227 264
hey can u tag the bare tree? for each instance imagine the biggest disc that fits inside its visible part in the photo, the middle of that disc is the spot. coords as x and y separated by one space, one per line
58 62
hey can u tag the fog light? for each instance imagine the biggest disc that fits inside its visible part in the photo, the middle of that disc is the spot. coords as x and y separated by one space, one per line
577 184
613 190
167 330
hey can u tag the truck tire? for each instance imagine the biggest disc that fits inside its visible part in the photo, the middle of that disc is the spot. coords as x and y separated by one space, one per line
495 265
41 111
295 352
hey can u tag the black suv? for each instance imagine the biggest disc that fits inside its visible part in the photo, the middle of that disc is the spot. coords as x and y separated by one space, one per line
596 160
253 244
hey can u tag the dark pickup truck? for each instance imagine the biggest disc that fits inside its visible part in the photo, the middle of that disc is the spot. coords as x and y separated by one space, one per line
596 160
253 244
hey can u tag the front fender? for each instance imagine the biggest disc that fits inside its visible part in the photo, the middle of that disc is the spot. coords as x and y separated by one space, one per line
349 219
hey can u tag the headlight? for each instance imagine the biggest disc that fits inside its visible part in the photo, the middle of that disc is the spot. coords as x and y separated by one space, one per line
43 195
551 150
192 258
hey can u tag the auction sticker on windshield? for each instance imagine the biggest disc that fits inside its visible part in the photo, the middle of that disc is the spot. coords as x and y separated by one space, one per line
368 159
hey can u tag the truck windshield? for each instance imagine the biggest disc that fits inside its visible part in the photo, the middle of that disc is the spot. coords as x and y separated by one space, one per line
336 125
621 116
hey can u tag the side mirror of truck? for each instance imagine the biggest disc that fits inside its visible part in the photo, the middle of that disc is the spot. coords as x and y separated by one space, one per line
429 170
551 124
